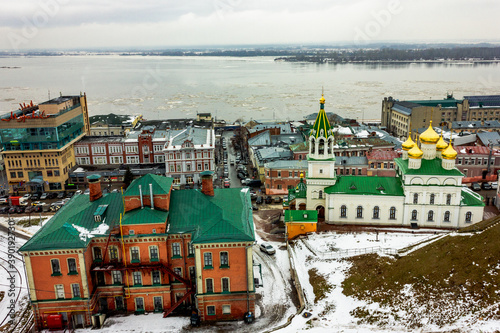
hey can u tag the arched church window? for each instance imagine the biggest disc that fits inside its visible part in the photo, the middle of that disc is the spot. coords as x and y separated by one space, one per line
376 212
312 149
321 146
430 216
415 198
468 217
414 215
432 199
392 213
447 216
330 144
359 212
320 195
343 211
448 199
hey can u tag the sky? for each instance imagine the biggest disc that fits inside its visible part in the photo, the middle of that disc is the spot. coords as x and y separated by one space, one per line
71 24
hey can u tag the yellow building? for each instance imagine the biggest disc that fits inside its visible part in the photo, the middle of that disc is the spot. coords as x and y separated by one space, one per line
300 222
37 142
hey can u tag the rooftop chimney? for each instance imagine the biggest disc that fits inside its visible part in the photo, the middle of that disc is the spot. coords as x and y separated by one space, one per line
207 185
94 187
151 196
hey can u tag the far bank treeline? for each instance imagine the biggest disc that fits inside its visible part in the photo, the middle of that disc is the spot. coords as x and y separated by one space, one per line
389 54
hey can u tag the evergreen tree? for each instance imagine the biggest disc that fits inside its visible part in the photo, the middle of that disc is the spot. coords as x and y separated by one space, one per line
128 177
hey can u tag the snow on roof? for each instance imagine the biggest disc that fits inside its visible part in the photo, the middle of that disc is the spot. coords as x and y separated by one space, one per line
85 233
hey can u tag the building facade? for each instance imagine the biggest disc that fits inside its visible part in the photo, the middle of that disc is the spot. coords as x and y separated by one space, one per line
282 176
426 191
148 250
38 141
188 153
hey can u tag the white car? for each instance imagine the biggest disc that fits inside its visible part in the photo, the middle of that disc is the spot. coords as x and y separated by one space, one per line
26 196
494 185
267 248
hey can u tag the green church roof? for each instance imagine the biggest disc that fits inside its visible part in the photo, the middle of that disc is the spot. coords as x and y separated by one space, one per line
321 123
73 226
300 191
470 198
161 185
225 217
366 185
428 168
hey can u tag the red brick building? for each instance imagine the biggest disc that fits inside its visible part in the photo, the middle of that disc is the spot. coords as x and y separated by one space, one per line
149 250
280 176
472 161
381 163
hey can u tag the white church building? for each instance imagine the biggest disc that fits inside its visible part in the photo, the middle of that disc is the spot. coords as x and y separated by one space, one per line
427 190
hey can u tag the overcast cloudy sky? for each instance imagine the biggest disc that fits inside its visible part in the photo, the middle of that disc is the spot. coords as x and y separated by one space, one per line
66 24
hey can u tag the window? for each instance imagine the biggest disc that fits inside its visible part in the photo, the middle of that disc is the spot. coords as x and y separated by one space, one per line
415 198
100 160
139 304
159 158
117 277
119 302
72 266
343 211
447 216
211 310
131 149
225 285
192 273
75 287
113 253
156 277
199 166
153 253
178 271
190 249
97 254
430 216
209 285
49 173
158 303
134 254
137 278
82 150
59 291
207 258
224 259
359 212
83 160
226 309
468 217
176 249
56 173
432 199
115 149
359 171
392 213
56 268
157 148
320 194
116 160
131 232
448 199
12 174
414 215
376 212
98 149
132 159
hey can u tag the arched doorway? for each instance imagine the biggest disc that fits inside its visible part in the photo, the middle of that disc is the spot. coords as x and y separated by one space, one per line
302 206
321 212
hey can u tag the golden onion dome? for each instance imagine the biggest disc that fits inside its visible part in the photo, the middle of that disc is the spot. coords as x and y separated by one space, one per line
449 153
408 144
322 99
415 152
441 144
429 136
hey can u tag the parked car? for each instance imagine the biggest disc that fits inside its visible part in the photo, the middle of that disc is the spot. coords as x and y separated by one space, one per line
259 200
19 209
476 186
114 191
58 203
80 192
269 199
255 207
12 210
35 196
38 209
70 194
60 195
494 185
4 210
52 195
254 183
253 195
4 200
246 181
278 199
44 196
87 191
29 209
27 196
486 186
267 248
227 184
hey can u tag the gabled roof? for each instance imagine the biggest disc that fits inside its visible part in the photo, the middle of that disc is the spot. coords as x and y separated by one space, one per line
225 217
428 167
470 198
161 185
366 185
486 137
261 139
145 215
73 226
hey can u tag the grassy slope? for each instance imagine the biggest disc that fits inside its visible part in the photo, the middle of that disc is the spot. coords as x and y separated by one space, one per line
449 278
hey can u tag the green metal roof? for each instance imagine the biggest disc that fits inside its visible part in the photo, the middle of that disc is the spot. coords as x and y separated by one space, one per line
145 215
73 226
161 185
300 191
428 167
470 198
366 185
449 102
303 146
321 123
225 217
301 216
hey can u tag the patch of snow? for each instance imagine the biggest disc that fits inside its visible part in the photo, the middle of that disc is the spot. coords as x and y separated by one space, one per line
85 233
